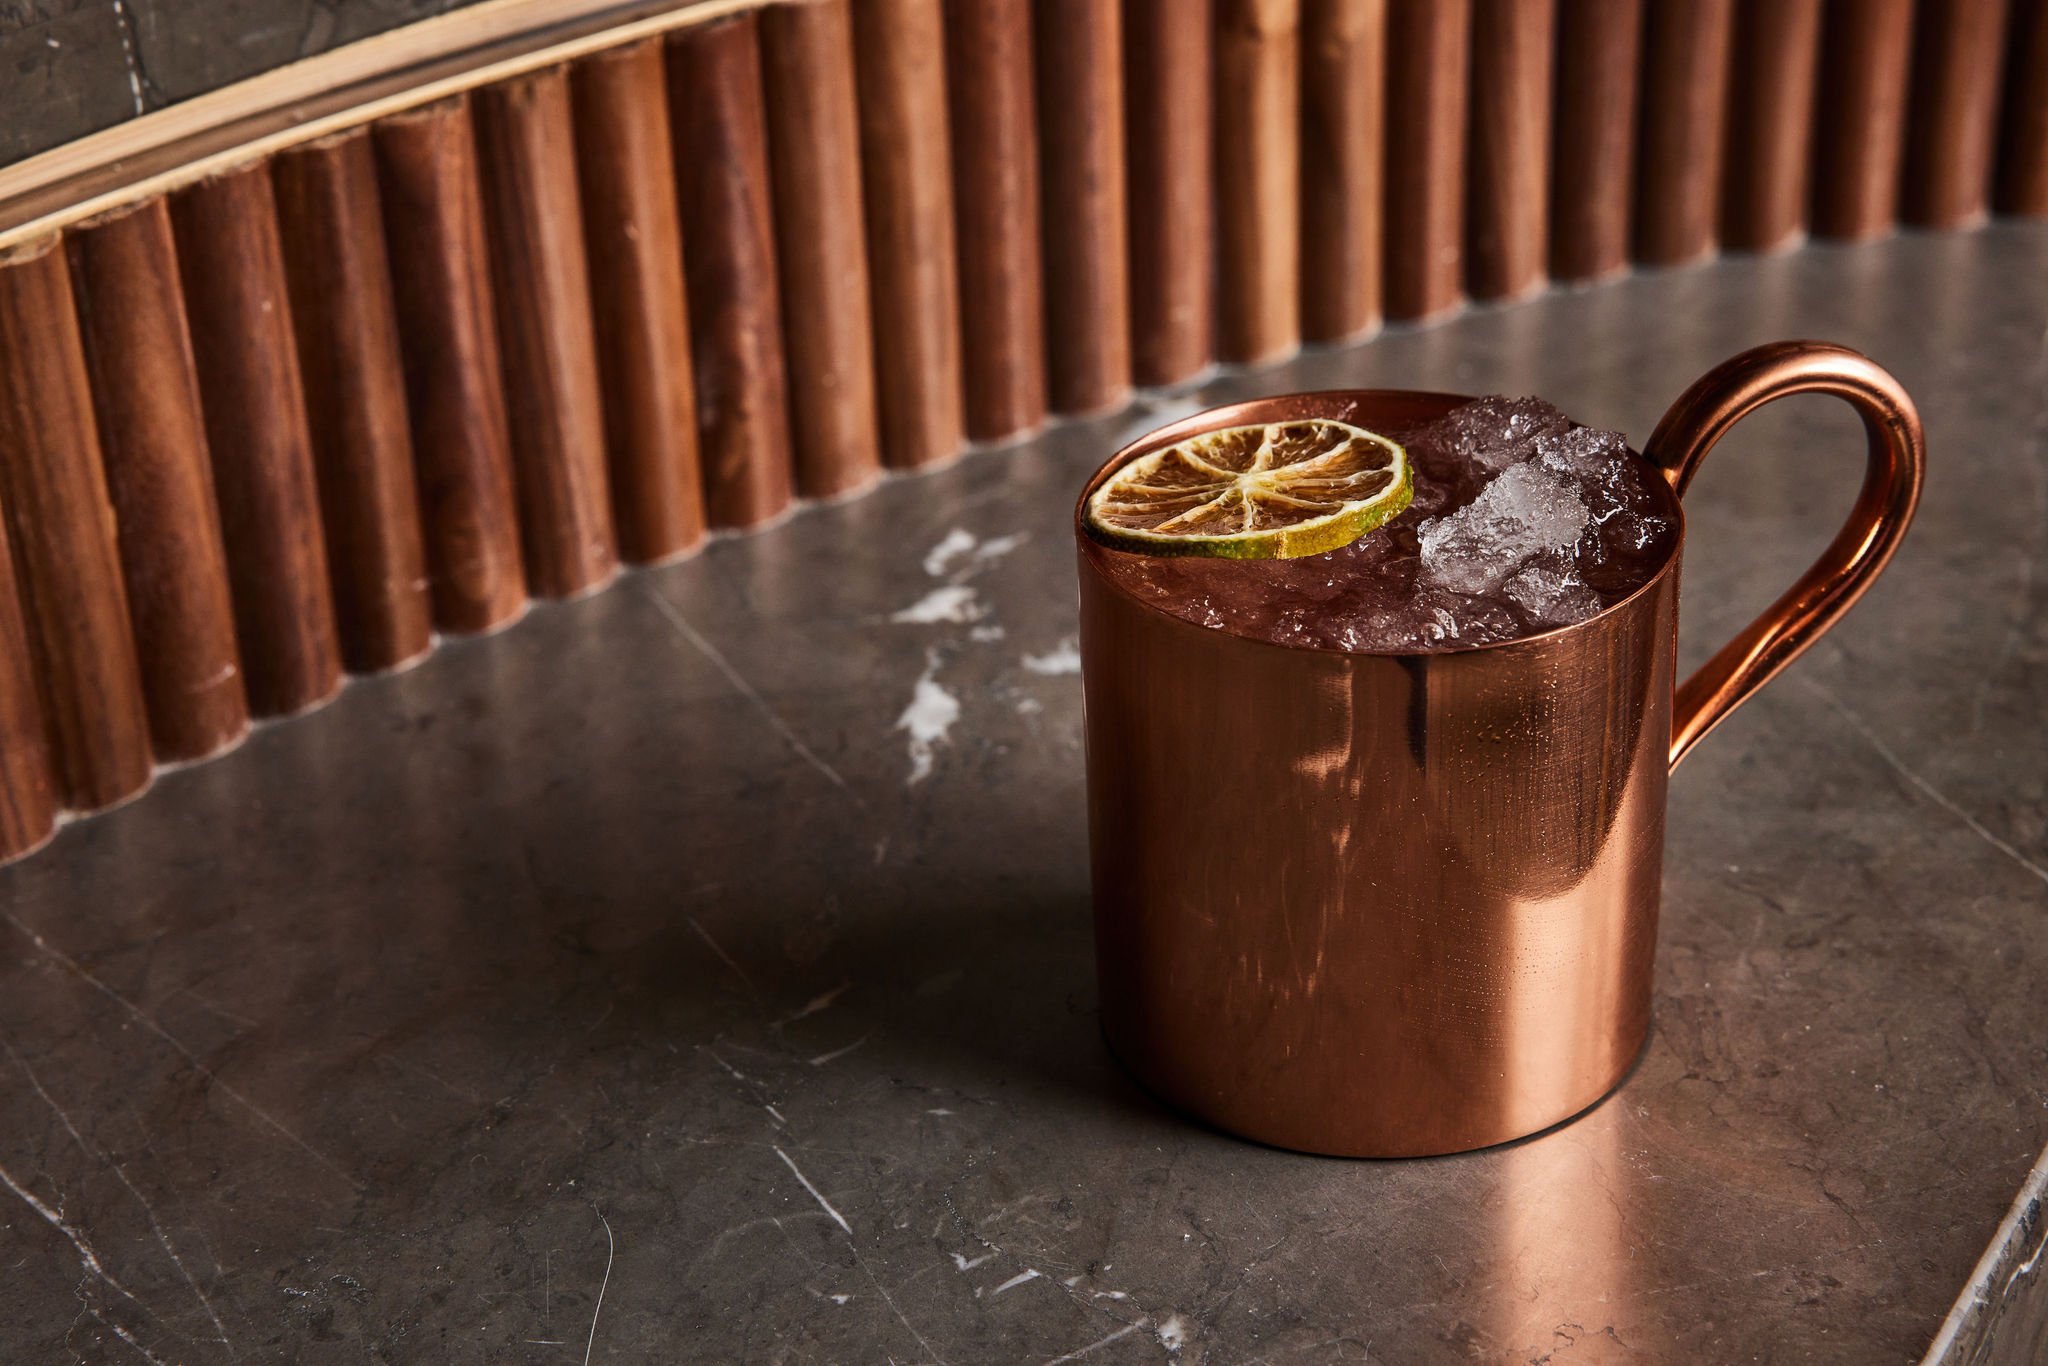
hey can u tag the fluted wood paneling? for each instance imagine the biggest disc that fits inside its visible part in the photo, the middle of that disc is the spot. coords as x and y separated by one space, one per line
61 531
454 382
545 333
721 139
821 245
153 441
347 330
1171 220
1508 226
625 162
232 265
989 88
1258 171
907 178
1343 146
2023 149
1684 89
1087 244
1860 116
1428 67
28 801
1592 199
1952 118
1770 124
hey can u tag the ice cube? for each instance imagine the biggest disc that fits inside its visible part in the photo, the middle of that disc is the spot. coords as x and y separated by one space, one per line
1523 513
1550 592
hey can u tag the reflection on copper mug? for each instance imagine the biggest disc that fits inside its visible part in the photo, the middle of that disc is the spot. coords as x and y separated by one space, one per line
1391 905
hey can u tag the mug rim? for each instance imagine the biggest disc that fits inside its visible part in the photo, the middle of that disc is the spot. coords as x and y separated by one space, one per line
1341 405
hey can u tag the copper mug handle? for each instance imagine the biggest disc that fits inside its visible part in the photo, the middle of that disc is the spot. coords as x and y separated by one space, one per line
1884 507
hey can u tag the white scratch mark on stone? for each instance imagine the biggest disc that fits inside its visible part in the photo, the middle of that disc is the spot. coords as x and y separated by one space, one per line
744 688
986 635
998 546
957 542
121 1174
938 1112
1063 658
963 1263
1080 1352
126 23
1925 788
838 1053
142 1018
122 1333
775 1112
821 1001
1029 706
1173 1334
839 1299
723 956
816 1194
1029 1273
953 602
928 719
87 1258
611 1248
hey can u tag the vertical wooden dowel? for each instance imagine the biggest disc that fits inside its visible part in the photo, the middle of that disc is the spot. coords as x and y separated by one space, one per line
821 244
990 87
1509 215
1081 169
1258 171
347 330
1599 43
1770 123
28 805
907 179
61 526
714 84
1860 116
1428 51
2023 152
1684 94
1343 137
541 277
454 383
625 161
124 270
1168 46
1952 116
232 265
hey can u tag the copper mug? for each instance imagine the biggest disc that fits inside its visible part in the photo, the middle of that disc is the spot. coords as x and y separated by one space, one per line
1395 905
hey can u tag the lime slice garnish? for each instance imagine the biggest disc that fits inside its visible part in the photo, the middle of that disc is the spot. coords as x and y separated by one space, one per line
1275 491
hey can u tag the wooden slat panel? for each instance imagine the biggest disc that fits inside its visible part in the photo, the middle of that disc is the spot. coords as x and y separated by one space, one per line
1508 233
1087 242
61 527
2023 153
1860 116
347 330
1168 46
454 383
1593 172
28 814
145 385
1952 116
1428 51
625 160
232 265
1684 95
821 245
714 86
1258 172
549 346
907 178
1770 123
989 86
1343 143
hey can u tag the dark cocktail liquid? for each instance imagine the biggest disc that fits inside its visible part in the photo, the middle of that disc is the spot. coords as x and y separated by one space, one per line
1522 521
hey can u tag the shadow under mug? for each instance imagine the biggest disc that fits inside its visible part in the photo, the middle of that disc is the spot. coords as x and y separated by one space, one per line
1394 905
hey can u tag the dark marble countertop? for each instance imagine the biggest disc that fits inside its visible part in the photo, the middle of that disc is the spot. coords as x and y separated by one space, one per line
702 971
